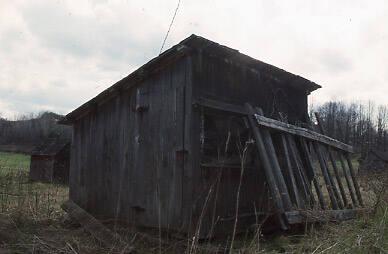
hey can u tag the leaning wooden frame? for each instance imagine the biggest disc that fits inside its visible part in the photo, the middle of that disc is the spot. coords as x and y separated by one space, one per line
292 173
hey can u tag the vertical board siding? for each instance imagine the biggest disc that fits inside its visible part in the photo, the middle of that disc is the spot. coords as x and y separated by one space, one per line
123 160
216 78
137 156
229 82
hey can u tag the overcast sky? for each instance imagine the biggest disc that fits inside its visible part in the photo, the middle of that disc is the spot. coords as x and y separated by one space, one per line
56 55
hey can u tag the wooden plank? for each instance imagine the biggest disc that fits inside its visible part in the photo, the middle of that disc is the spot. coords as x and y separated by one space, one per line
326 176
274 190
310 166
338 178
355 183
297 169
274 124
311 198
333 163
348 180
297 217
275 166
334 186
219 105
290 172
306 133
94 227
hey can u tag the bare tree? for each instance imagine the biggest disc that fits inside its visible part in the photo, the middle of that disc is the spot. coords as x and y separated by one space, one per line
356 123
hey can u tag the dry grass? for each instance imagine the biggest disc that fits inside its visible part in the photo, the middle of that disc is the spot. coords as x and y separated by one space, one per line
31 221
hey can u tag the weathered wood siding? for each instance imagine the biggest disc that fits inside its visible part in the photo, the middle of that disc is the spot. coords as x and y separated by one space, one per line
62 165
224 80
137 157
218 79
125 159
41 168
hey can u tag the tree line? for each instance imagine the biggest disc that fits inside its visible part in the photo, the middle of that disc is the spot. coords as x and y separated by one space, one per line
365 126
32 129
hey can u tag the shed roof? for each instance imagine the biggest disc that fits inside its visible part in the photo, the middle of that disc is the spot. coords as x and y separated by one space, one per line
381 155
188 46
50 147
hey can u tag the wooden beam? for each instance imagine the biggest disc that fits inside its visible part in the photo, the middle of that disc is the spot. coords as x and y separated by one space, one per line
273 188
306 133
333 163
326 177
274 124
219 105
310 166
355 183
95 228
275 166
348 180
334 186
310 200
297 217
290 173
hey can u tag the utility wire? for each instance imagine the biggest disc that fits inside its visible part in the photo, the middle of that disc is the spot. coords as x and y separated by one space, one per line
169 28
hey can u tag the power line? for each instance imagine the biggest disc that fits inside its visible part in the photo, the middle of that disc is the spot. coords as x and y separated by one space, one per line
169 28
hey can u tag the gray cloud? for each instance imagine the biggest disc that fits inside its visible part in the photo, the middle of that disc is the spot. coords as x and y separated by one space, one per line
57 27
58 54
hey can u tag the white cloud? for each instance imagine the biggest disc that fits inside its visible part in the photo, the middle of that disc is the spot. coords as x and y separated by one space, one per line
58 54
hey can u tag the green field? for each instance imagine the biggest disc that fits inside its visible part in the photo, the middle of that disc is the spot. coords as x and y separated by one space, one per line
14 160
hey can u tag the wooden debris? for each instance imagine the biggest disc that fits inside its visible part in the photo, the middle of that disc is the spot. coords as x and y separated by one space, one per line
295 217
299 171
95 228
333 163
274 190
348 180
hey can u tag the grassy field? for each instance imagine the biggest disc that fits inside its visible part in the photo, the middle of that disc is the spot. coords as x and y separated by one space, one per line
31 221
14 161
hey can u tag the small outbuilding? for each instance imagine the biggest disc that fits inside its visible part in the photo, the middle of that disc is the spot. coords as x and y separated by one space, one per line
50 161
375 161
162 147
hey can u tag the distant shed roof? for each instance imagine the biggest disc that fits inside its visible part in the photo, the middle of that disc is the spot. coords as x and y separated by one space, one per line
381 155
50 147
188 46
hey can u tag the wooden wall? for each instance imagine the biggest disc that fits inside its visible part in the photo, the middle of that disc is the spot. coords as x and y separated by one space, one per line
227 81
137 157
41 168
62 165
125 155
222 80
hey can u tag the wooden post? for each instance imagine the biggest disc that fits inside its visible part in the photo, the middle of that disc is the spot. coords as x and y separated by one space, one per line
326 176
298 159
334 186
290 172
332 160
355 183
337 176
348 180
297 169
266 164
275 166
95 228
335 190
310 166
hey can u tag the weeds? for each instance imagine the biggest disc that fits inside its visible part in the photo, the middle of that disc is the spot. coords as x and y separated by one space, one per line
31 221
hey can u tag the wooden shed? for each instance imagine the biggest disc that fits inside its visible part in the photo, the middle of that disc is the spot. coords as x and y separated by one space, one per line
50 161
163 147
375 161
